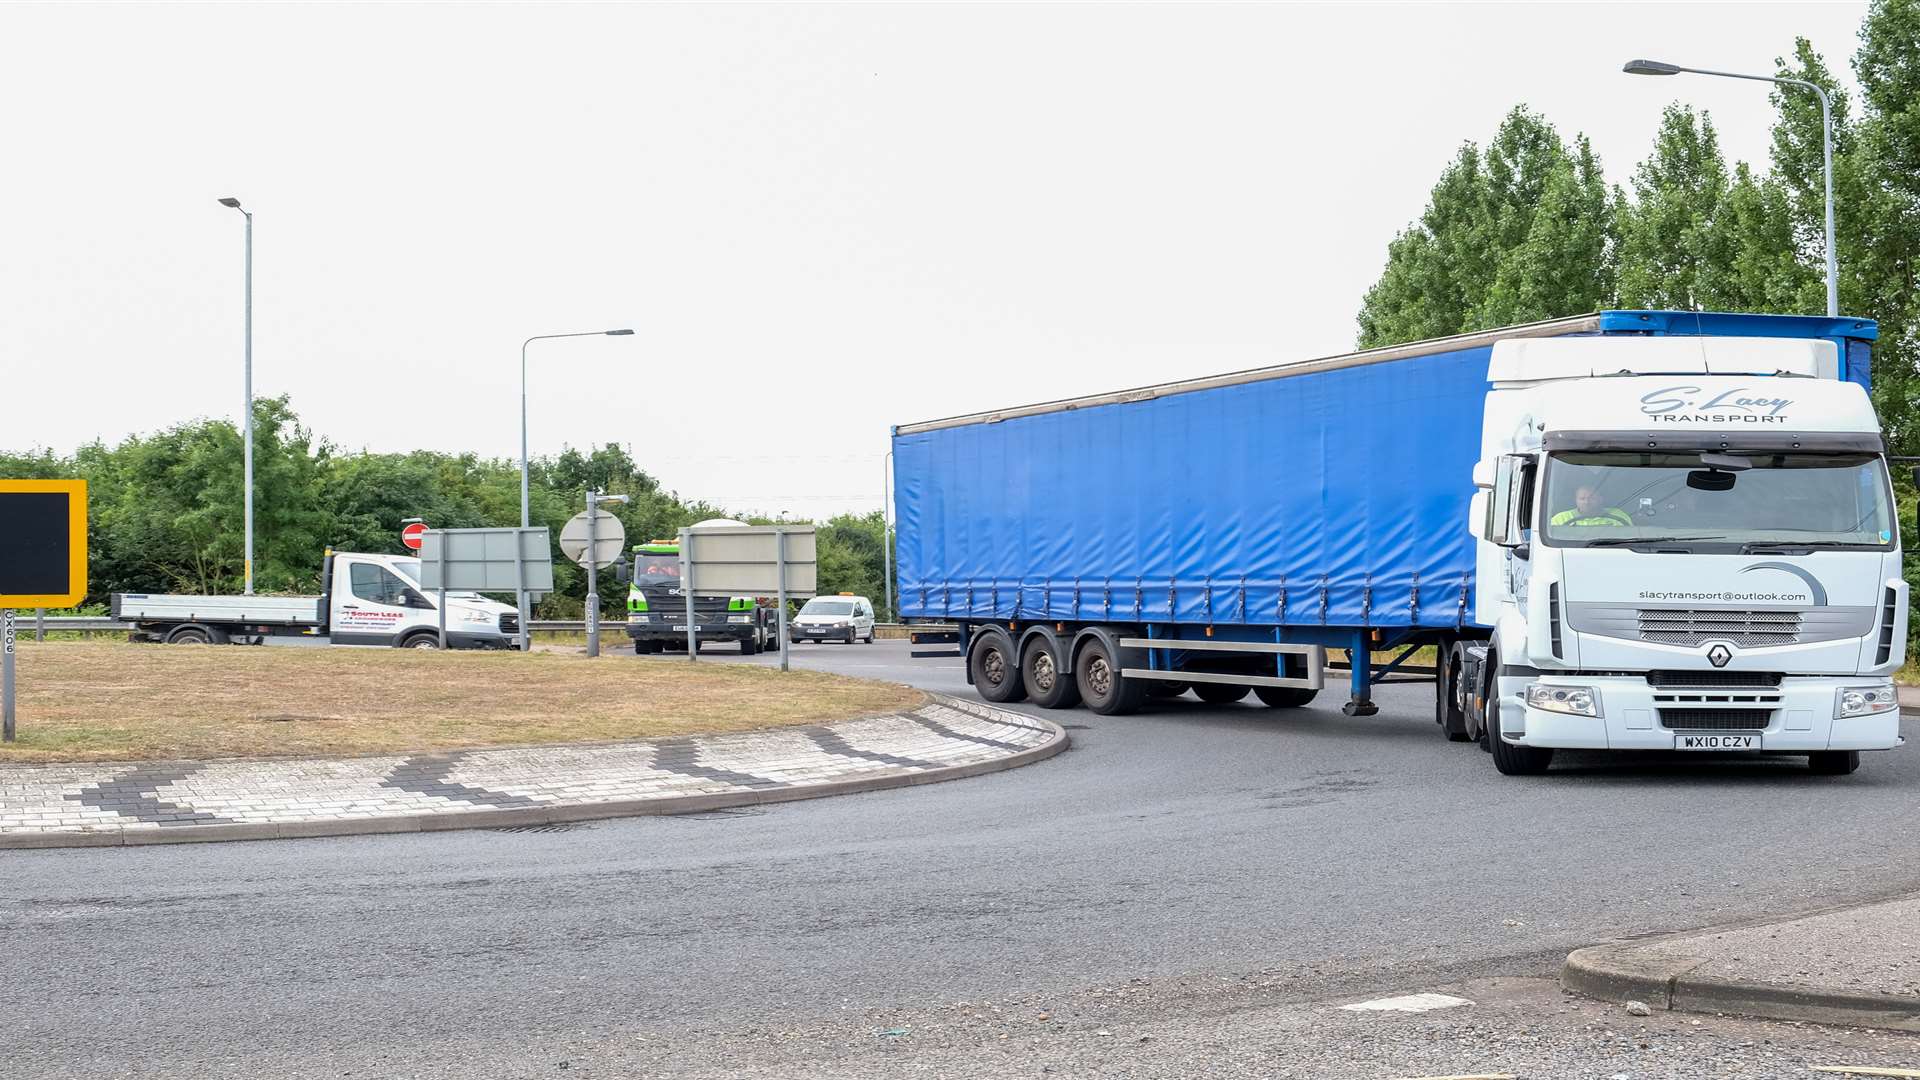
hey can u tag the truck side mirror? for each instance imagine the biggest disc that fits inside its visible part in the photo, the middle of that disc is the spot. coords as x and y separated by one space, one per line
1504 524
623 571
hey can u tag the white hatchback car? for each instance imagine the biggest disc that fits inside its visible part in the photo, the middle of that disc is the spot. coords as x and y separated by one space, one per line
845 617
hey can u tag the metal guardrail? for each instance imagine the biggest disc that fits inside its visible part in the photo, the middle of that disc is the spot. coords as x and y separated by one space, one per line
73 622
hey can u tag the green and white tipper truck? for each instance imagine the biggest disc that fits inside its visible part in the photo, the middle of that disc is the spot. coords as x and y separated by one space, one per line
657 609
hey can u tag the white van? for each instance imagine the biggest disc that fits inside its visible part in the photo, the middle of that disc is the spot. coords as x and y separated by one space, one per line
845 617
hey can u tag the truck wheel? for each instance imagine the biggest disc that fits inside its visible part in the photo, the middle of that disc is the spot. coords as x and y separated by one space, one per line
1047 687
868 640
1447 711
1512 760
1285 697
189 635
996 674
1102 688
1165 688
1220 693
1833 762
749 646
425 640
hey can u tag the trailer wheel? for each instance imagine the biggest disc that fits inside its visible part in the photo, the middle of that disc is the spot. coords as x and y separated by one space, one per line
1102 688
425 639
190 635
1047 686
1447 709
995 671
1833 762
1220 693
1285 697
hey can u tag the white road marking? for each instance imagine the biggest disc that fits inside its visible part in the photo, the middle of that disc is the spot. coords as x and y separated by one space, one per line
1412 1003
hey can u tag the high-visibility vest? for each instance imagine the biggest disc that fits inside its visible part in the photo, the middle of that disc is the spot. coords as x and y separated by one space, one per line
1612 515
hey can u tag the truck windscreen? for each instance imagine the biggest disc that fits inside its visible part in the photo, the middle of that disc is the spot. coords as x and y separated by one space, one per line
656 571
1608 498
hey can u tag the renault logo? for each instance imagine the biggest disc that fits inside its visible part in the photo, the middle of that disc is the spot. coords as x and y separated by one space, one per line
1719 655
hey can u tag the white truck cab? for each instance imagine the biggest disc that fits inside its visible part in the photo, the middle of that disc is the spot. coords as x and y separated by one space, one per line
1684 543
377 600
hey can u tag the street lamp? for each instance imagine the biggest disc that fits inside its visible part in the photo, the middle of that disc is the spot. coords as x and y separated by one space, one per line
246 449
1661 67
525 517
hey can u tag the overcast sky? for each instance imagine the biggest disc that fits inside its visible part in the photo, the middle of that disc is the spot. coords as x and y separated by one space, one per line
819 220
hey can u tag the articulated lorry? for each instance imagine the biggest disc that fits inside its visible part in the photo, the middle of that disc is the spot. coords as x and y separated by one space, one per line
1632 530
368 600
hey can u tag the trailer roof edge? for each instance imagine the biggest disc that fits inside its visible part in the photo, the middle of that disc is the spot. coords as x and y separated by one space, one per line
1547 328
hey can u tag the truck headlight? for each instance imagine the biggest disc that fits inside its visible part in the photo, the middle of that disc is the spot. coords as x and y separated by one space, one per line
739 618
1577 700
1867 700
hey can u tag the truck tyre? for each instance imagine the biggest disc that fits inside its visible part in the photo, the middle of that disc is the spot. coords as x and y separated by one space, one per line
1833 762
424 639
749 646
1047 686
1102 688
996 670
1447 711
1512 760
190 635
1214 693
1285 697
1165 688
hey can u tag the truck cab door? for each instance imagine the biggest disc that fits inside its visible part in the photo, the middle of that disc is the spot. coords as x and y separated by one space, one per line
372 605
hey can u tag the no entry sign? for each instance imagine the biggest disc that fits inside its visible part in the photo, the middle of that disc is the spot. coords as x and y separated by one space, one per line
411 535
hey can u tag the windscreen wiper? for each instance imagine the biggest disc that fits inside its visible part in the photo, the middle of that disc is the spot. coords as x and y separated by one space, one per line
1625 541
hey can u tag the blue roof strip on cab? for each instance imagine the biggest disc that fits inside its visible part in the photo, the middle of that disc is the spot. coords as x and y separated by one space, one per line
1851 336
1736 324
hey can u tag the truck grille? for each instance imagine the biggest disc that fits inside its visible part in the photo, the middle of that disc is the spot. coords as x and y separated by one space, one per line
1671 679
510 624
1679 626
1715 719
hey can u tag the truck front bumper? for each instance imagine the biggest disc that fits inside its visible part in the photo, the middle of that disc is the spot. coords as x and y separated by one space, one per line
1796 717
704 630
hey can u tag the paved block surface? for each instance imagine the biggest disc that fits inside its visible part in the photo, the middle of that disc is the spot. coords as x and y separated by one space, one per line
38 804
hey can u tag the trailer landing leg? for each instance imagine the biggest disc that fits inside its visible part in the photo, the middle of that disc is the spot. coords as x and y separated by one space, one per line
1360 660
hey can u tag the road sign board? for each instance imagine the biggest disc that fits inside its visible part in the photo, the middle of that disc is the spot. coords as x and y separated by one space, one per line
743 560
610 538
43 543
411 535
484 560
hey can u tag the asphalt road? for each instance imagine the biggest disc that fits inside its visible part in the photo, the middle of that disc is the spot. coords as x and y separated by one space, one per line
1200 883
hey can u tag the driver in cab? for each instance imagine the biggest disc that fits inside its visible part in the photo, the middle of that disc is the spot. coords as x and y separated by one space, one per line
1589 510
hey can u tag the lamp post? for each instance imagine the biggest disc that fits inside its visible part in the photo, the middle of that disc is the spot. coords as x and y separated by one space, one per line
525 519
594 499
246 446
1660 67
